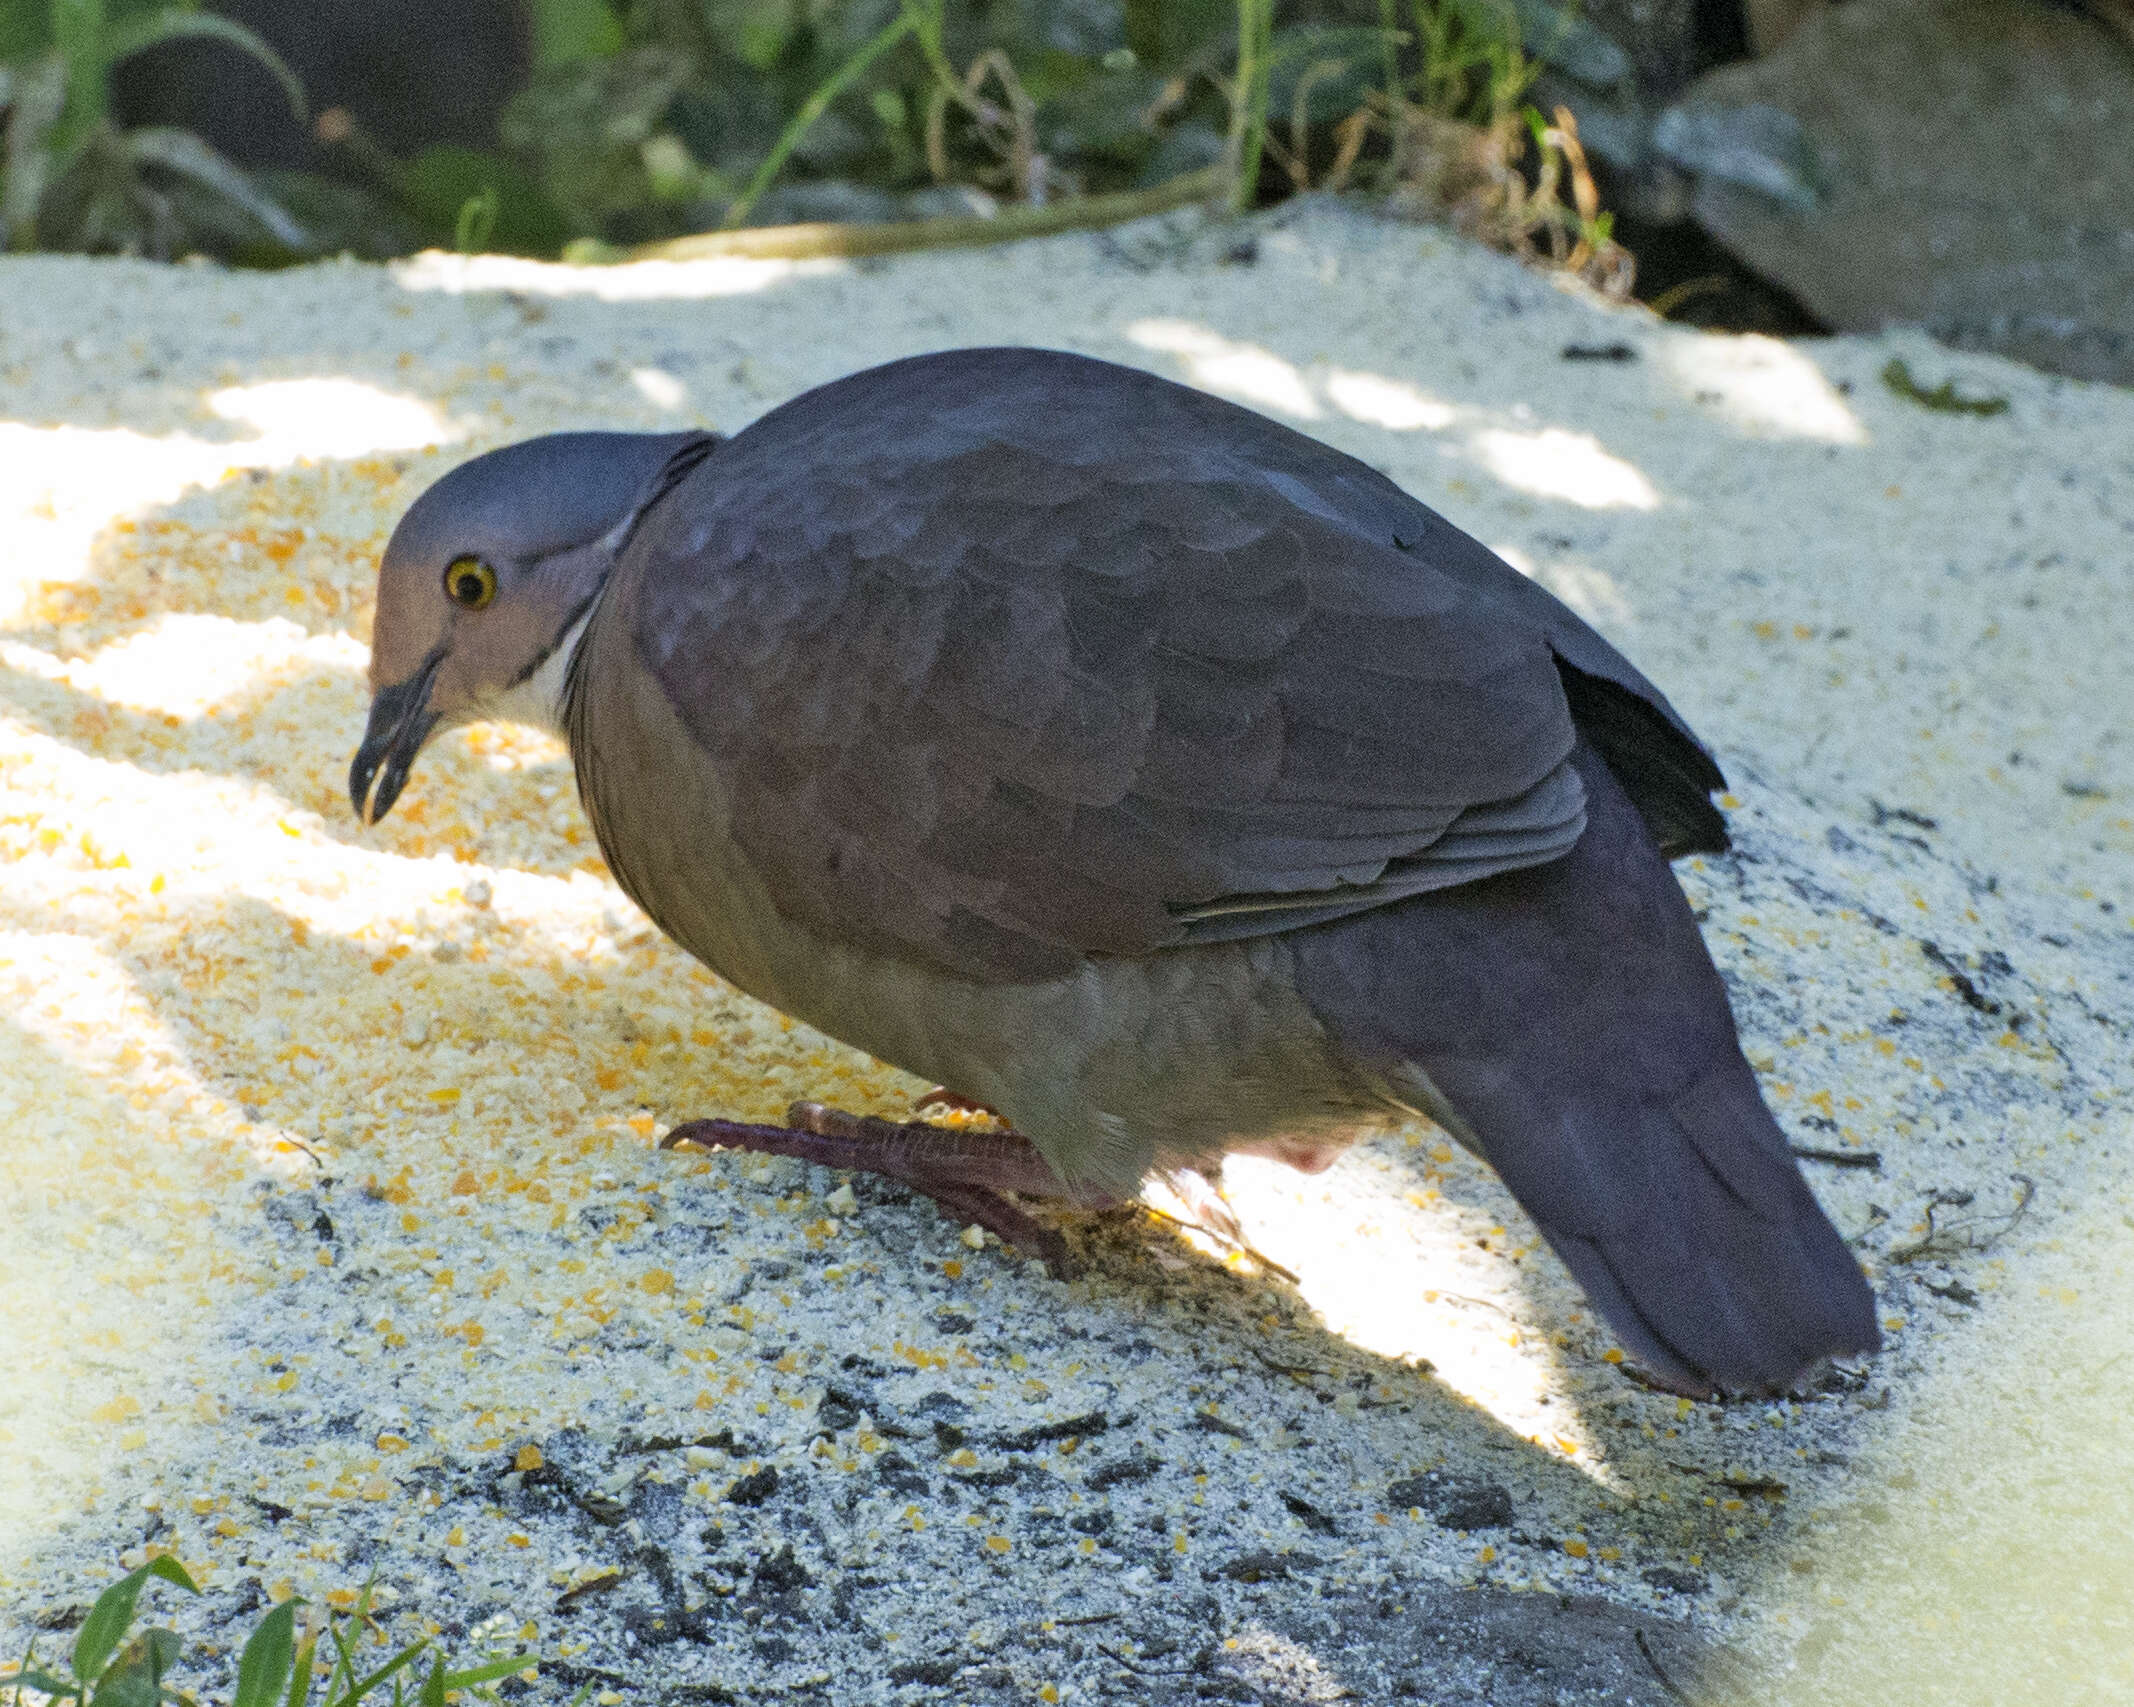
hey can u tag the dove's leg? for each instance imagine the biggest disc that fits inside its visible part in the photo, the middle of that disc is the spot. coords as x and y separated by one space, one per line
965 1172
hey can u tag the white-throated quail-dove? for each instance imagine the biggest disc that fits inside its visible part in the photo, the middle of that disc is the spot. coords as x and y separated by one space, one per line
1150 773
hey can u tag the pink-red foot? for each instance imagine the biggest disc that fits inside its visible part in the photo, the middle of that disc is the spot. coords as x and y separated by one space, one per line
965 1172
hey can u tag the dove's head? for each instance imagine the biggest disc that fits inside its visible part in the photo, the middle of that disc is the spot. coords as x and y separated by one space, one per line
484 587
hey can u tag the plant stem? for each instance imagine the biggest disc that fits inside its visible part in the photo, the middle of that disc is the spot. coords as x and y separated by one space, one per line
1248 107
1389 50
826 241
814 108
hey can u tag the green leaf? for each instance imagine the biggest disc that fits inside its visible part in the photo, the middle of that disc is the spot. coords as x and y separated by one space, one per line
433 1686
263 1668
135 1678
567 31
182 152
439 182
78 34
135 34
112 1615
1168 33
44 1683
1327 41
25 28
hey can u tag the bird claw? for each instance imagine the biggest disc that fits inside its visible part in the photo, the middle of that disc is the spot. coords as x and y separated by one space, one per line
965 1174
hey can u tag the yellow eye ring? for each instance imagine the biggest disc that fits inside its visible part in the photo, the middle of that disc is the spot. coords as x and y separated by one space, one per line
469 582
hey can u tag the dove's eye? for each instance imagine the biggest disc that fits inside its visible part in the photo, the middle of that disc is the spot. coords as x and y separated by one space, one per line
470 582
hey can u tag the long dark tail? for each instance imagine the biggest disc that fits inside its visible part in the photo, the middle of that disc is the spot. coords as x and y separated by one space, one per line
1567 1021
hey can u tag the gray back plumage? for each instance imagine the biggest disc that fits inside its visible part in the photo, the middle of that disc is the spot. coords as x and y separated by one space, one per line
1006 657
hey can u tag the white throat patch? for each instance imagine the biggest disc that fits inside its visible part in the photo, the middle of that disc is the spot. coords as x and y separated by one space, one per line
538 700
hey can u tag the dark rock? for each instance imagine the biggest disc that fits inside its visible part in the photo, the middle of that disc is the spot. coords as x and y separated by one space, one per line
1005 1476
1138 1468
754 1488
1658 36
933 1672
1308 1514
1455 1501
411 74
1971 154
1044 1434
781 1573
1262 1566
839 1409
831 201
941 1404
1508 1648
900 1476
655 1627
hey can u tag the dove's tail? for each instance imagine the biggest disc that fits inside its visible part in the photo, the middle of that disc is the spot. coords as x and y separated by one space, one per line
1566 1022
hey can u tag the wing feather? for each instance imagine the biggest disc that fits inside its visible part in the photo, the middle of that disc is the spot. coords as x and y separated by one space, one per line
1002 658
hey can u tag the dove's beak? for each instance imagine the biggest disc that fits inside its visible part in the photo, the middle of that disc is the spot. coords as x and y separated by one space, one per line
400 721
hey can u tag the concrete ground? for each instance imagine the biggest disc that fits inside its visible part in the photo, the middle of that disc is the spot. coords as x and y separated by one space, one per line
338 1248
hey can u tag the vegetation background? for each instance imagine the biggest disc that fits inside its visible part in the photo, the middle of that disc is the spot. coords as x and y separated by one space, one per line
265 133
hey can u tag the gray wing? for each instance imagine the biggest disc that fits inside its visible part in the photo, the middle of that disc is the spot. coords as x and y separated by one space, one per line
1002 658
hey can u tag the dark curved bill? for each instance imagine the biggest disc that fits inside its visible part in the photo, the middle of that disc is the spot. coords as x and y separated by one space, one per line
400 721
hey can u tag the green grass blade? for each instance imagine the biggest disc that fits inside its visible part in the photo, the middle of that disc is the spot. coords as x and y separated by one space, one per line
300 1680
475 224
813 108
925 16
45 1684
263 1668
112 1615
398 1663
1248 108
38 103
134 34
488 1673
1390 39
172 1572
135 1678
78 34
